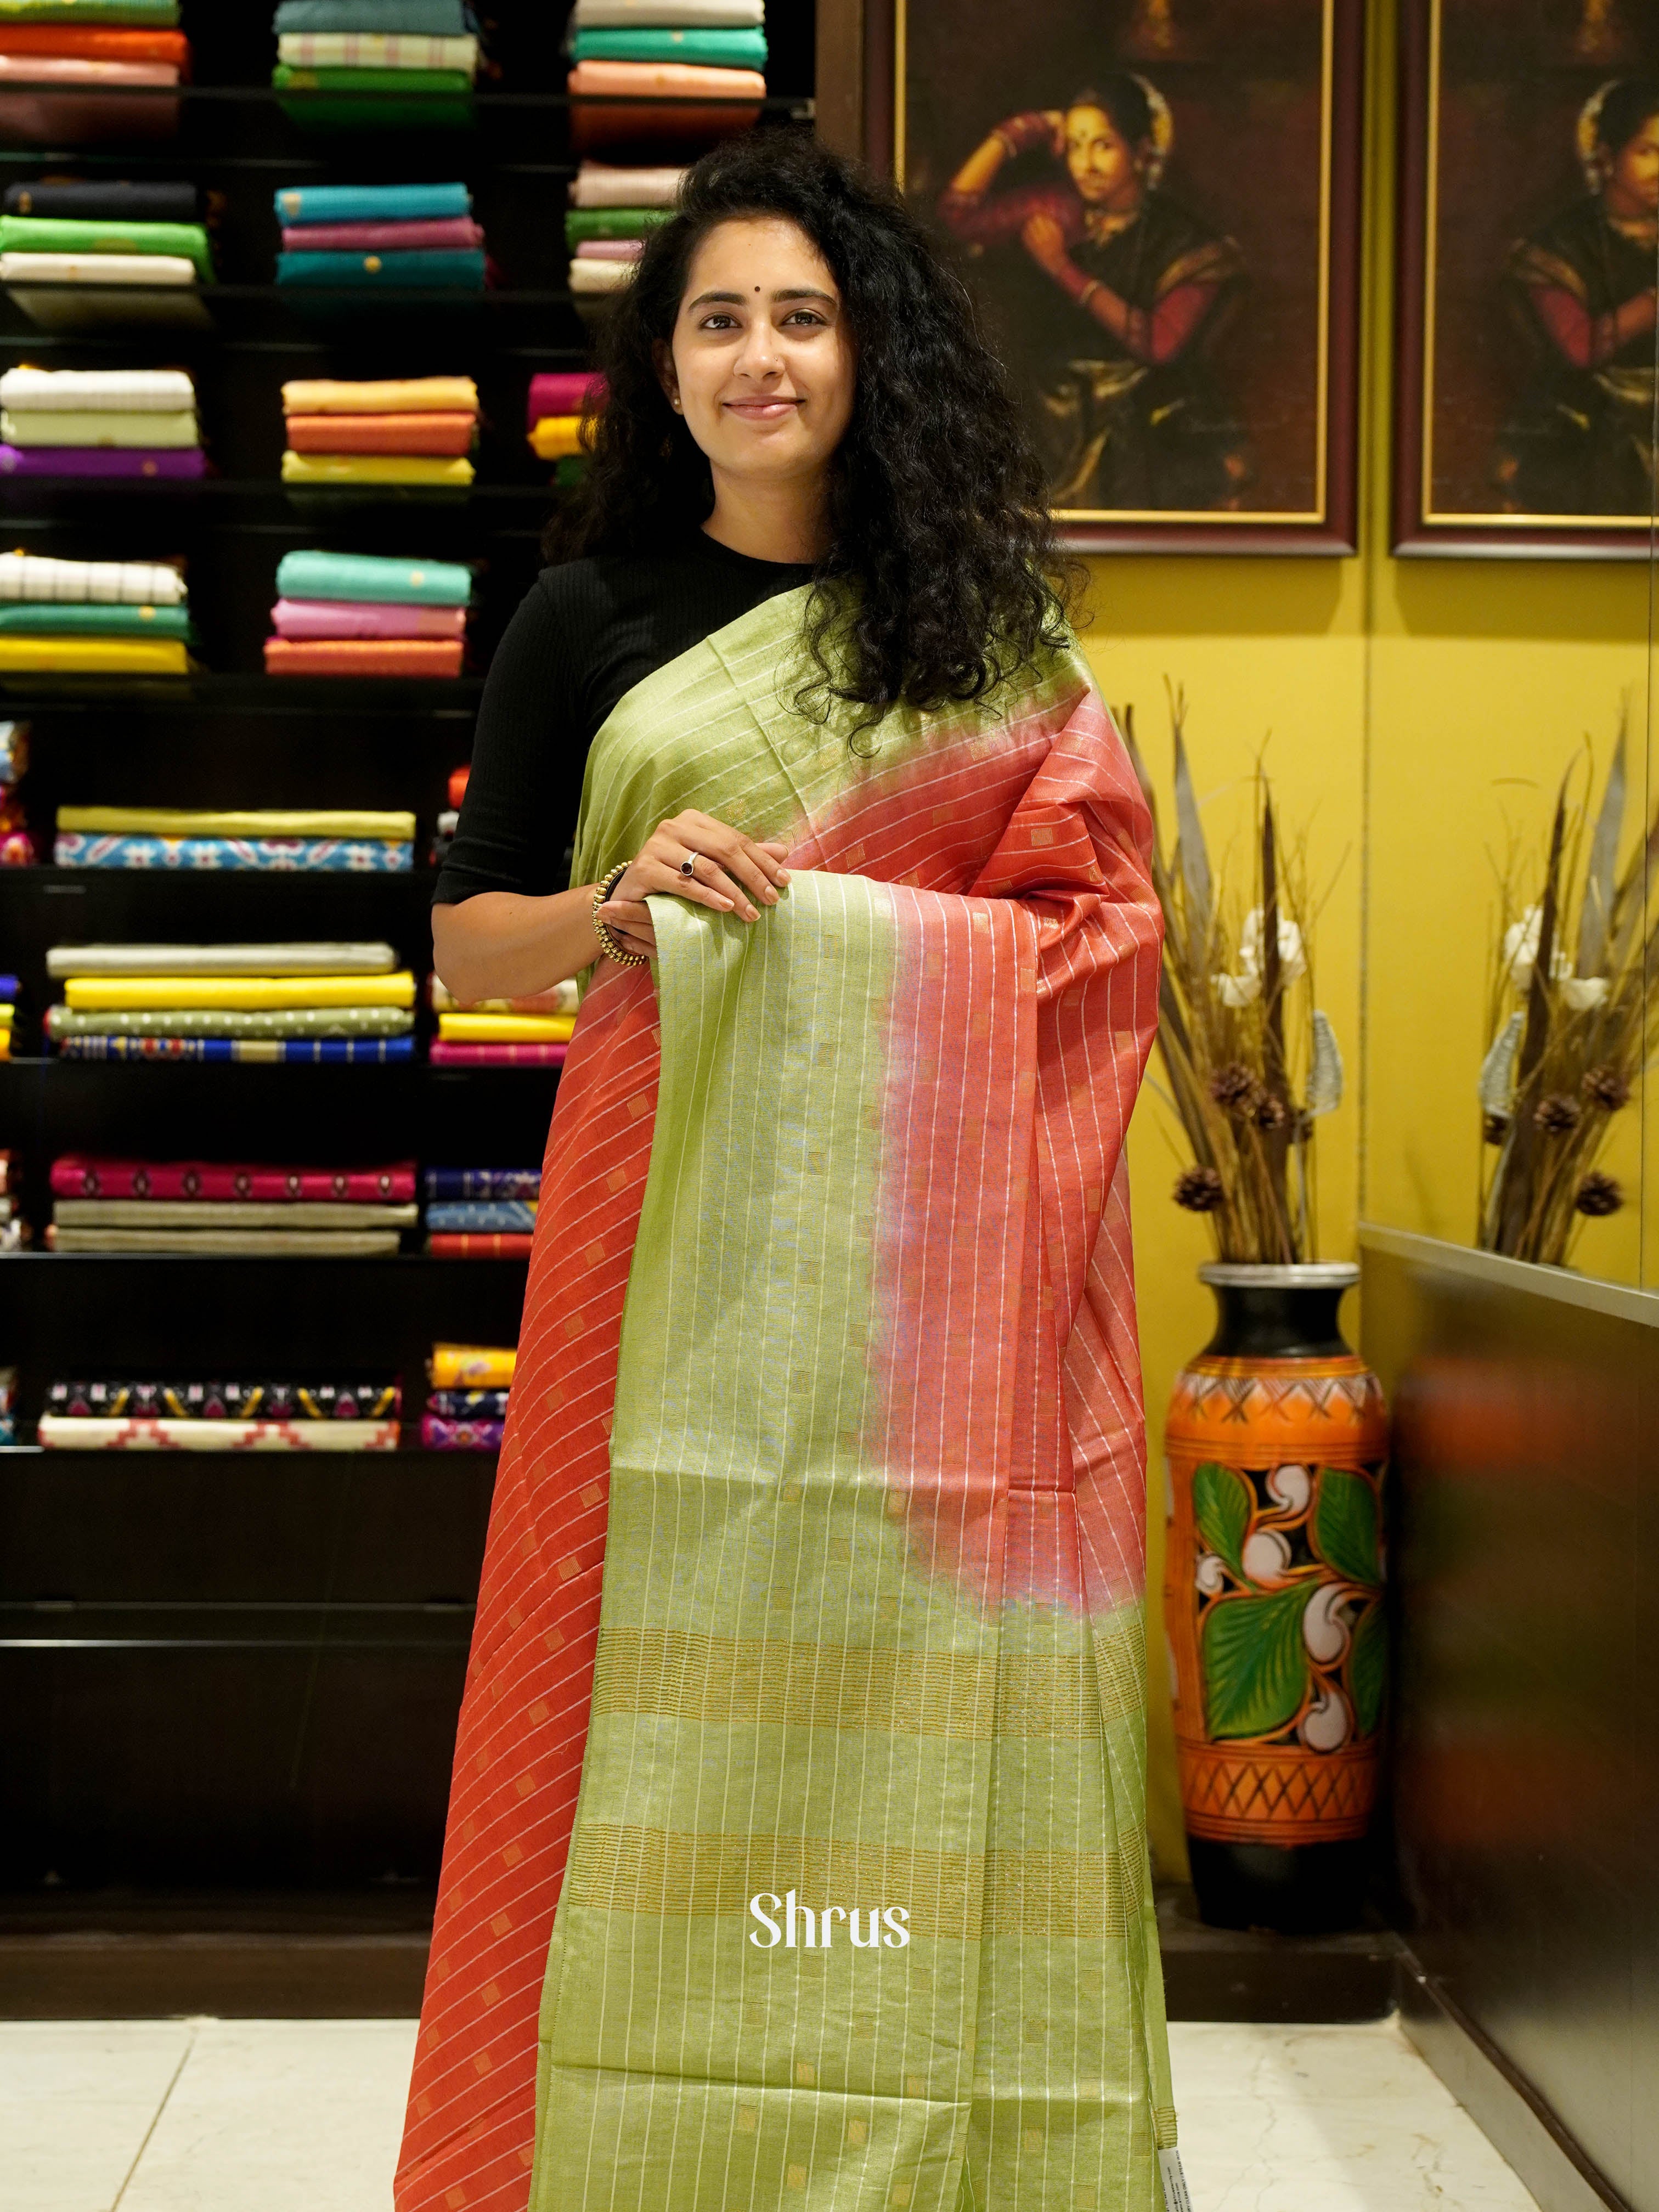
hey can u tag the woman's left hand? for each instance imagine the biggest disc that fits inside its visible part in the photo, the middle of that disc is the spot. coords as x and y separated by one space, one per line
1043 237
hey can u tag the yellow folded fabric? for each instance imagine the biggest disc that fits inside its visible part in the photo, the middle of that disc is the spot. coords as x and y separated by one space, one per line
375 469
178 822
506 1028
95 656
415 395
472 1367
555 437
234 993
7 1015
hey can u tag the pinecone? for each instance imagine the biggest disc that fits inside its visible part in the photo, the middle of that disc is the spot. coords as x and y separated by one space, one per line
1268 1112
1234 1088
1494 1127
1598 1195
1607 1087
1201 1190
1555 1114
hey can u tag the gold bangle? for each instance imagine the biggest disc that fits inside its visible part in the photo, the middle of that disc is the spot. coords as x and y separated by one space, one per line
603 929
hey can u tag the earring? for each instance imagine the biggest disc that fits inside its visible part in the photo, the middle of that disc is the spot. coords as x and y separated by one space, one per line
675 403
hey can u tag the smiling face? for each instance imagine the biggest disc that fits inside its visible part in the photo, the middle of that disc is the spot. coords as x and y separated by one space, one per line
1632 190
762 358
1101 161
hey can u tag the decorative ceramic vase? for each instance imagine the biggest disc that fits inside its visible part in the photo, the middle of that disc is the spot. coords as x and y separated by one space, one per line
1276 1441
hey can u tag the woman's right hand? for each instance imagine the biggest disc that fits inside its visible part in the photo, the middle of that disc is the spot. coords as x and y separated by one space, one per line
730 873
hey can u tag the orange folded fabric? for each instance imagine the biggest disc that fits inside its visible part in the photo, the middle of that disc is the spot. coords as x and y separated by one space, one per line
363 656
93 42
665 92
380 434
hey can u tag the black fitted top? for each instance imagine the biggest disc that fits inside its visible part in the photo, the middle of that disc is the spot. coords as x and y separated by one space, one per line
585 633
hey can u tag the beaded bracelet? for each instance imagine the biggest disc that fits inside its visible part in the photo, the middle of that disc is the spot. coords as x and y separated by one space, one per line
603 929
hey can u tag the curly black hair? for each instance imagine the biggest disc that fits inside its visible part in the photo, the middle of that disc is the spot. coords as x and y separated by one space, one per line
1625 108
942 577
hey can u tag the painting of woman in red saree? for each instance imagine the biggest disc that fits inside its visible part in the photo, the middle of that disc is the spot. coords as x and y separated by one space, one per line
1154 205
1581 441
1130 414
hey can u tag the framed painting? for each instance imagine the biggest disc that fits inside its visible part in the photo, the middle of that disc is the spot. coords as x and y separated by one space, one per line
1156 205
1529 245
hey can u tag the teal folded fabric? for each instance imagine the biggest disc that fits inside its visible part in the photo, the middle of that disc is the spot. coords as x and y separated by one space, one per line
434 270
302 204
38 618
655 42
371 577
442 19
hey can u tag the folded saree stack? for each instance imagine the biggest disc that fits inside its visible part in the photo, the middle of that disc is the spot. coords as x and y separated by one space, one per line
9 987
88 253
480 1213
466 1404
361 614
375 64
328 1003
14 1230
75 71
419 431
380 237
554 412
260 1415
611 208
318 841
241 1209
684 71
102 423
16 845
92 617
7 1406
529 1032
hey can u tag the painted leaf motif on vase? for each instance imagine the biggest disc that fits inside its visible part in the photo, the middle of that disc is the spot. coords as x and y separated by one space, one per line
1344 1527
1221 1505
1255 1666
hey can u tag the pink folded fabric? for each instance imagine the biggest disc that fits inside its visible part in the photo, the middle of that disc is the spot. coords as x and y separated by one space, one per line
376 237
497 1055
611 249
312 618
563 392
55 69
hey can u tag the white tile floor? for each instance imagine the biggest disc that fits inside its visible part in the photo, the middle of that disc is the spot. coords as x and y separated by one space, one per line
304 2116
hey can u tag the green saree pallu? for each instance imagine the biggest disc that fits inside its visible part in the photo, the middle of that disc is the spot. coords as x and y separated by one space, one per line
808 1679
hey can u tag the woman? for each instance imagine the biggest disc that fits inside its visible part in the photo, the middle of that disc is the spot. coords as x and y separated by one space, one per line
837 1782
1128 415
1582 440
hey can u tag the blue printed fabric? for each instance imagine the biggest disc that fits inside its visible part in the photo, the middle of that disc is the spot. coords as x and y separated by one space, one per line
303 204
482 1182
324 1052
509 1215
332 856
467 1404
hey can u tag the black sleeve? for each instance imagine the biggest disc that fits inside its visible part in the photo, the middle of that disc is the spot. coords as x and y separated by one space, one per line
519 812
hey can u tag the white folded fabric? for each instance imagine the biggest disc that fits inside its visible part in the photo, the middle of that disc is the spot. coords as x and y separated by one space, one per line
89 1432
132 391
600 184
26 427
95 583
146 268
600 275
56 69
672 14
314 959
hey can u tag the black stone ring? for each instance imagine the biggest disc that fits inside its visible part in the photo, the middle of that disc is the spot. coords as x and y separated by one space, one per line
688 865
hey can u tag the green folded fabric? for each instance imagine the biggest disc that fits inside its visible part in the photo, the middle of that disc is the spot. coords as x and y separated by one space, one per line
151 14
249 1021
32 234
733 48
288 78
100 426
41 619
580 223
371 577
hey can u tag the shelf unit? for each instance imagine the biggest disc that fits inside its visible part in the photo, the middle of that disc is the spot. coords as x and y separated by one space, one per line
226 1676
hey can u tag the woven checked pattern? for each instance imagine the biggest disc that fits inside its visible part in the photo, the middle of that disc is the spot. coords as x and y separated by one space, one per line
1258 1796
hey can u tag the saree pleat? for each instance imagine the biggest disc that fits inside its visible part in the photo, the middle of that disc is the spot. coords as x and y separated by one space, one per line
834 1375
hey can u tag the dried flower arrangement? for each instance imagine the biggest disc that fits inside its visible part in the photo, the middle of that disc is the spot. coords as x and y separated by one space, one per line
1239 1035
1561 1064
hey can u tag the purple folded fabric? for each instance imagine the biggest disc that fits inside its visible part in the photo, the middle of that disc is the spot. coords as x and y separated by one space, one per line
362 618
101 461
381 237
